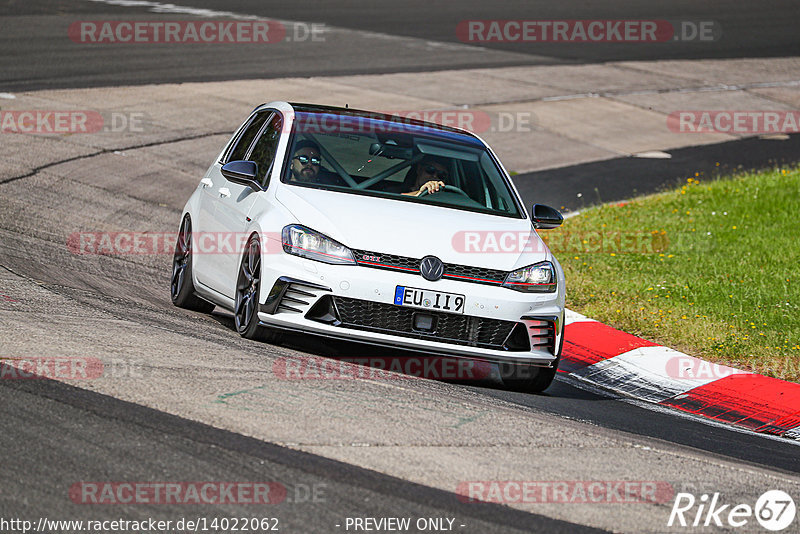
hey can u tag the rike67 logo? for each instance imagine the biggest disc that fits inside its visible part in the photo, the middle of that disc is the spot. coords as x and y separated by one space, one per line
774 510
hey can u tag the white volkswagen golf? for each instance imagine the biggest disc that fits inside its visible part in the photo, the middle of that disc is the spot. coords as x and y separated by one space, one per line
373 228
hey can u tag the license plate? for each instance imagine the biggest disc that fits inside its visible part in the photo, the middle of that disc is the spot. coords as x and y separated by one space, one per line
428 300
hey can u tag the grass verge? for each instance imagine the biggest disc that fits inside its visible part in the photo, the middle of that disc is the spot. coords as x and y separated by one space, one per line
710 269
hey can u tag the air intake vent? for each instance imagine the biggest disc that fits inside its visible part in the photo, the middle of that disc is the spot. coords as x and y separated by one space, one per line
542 334
295 299
289 295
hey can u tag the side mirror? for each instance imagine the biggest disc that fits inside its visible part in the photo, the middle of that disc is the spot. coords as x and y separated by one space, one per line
545 217
242 172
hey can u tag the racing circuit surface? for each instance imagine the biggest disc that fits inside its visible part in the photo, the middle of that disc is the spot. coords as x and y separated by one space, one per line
399 37
184 398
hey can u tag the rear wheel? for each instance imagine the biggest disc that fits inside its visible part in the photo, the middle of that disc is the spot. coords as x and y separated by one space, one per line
181 286
248 284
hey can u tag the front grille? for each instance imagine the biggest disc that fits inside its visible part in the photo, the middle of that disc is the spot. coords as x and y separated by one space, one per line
465 273
448 327
478 275
386 261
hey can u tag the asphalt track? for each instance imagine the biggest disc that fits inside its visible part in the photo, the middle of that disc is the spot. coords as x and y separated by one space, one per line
578 186
54 434
42 465
396 37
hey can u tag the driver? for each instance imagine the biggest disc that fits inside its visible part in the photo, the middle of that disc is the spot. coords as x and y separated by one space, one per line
429 175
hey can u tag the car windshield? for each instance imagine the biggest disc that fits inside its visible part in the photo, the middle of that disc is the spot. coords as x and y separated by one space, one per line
377 156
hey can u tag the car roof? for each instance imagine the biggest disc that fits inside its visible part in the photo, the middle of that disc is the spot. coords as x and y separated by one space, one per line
448 131
352 112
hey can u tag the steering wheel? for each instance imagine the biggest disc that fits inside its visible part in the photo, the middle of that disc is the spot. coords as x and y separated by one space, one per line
451 188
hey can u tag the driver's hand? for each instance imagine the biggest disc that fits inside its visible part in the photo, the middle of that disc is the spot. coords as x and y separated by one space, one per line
431 187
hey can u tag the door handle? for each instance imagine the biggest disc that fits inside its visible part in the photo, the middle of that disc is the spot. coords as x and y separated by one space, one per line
206 182
224 192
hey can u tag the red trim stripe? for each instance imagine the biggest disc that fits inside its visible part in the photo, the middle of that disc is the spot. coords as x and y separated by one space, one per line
471 278
394 267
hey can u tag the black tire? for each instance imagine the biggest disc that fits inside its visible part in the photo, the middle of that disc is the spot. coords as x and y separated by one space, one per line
530 379
181 286
248 285
527 378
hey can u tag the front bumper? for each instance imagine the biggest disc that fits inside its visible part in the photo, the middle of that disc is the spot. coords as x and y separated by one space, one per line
305 296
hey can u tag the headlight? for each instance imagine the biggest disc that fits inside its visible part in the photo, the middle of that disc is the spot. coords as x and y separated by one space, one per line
537 278
302 241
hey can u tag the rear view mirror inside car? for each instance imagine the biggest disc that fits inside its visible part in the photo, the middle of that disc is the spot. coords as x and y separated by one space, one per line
390 151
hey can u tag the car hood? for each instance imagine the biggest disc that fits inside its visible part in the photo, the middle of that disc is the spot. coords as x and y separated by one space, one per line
403 228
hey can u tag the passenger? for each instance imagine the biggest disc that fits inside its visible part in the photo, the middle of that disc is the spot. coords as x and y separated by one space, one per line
306 162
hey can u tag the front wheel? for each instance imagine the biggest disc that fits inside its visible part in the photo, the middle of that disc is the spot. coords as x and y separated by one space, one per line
530 379
527 378
248 284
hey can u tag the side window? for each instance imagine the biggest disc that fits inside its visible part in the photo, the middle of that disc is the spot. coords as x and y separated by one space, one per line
239 150
266 146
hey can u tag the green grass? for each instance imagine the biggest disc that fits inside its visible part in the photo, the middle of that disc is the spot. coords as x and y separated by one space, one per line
710 269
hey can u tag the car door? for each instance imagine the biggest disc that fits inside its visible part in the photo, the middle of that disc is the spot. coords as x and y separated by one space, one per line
210 233
236 201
